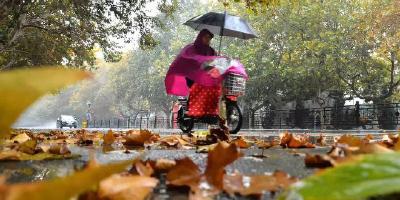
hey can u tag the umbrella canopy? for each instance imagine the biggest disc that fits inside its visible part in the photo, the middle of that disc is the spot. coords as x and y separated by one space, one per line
222 24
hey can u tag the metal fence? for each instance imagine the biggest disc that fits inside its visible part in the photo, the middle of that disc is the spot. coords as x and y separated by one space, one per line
344 117
138 123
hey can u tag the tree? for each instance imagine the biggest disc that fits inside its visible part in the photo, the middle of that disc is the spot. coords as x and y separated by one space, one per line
38 32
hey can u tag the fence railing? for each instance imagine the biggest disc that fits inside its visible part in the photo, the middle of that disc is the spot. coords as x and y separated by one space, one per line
344 117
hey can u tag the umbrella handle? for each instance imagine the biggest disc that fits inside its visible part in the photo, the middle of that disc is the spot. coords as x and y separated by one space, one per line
221 33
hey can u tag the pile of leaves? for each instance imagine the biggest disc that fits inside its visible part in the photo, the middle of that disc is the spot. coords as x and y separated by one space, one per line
365 156
346 147
26 146
182 174
113 182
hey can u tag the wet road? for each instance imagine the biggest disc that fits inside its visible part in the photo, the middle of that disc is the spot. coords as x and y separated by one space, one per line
276 159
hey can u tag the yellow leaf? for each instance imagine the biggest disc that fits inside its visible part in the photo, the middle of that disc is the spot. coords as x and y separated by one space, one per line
108 138
20 88
119 187
21 156
63 188
21 138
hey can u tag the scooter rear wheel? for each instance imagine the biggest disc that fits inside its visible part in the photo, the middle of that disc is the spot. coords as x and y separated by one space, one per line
186 125
234 117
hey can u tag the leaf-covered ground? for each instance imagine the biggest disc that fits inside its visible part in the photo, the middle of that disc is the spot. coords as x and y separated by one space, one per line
207 165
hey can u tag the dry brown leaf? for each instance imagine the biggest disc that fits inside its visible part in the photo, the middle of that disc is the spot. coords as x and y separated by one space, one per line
318 161
396 146
139 138
185 173
350 140
368 138
164 164
118 187
108 138
372 148
220 134
174 141
222 155
241 142
390 141
60 149
321 141
295 141
256 185
262 144
43 148
144 169
28 147
21 138
285 139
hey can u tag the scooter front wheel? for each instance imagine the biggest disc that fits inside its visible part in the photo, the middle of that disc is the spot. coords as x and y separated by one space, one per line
234 117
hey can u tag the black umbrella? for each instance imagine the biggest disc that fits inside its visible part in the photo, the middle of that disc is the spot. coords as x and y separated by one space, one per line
222 24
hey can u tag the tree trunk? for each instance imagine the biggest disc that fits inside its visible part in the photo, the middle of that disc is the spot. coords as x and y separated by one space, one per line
252 119
299 115
385 114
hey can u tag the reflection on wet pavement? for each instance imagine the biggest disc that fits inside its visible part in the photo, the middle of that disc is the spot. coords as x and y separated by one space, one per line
275 159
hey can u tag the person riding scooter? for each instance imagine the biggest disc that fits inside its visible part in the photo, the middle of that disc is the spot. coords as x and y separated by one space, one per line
185 69
196 72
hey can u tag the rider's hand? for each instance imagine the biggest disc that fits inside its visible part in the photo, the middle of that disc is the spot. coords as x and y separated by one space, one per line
214 73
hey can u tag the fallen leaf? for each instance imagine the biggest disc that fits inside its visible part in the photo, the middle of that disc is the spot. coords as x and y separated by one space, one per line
185 173
108 138
20 156
164 164
318 161
174 141
220 134
397 146
258 184
321 141
60 149
205 148
368 138
43 148
28 147
118 187
20 88
222 155
241 142
371 148
285 139
21 138
139 138
350 140
144 168
295 141
262 144
63 188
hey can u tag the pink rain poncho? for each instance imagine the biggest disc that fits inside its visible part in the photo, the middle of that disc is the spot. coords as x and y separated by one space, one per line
188 64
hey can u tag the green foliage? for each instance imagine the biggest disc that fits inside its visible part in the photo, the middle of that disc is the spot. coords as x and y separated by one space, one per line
308 47
368 176
304 48
65 32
